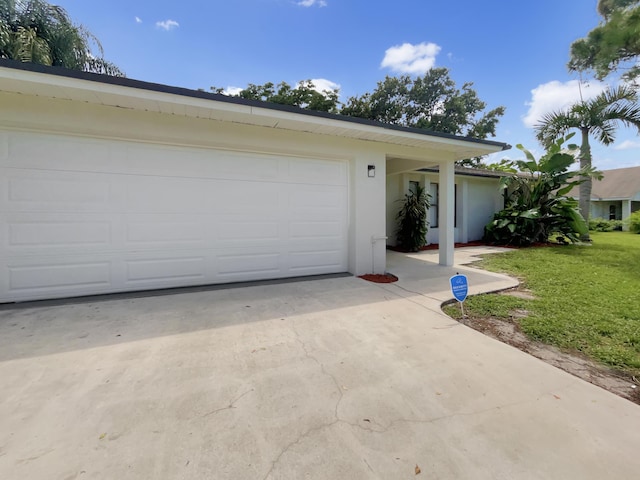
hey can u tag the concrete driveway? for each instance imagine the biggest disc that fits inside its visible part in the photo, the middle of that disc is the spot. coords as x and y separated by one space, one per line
324 379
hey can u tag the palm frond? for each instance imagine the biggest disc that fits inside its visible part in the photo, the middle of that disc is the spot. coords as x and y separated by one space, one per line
36 31
554 125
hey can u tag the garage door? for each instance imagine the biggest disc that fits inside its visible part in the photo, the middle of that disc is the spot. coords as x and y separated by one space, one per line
84 216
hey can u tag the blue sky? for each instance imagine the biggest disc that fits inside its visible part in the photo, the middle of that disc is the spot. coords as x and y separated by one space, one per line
514 52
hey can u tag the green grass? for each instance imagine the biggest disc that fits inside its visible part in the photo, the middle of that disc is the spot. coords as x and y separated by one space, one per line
587 297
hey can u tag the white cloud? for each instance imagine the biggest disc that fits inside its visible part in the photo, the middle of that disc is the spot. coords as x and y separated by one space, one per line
138 20
311 3
232 90
167 24
412 59
323 84
554 96
627 145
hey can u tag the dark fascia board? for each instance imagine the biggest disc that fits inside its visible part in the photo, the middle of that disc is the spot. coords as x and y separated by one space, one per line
185 92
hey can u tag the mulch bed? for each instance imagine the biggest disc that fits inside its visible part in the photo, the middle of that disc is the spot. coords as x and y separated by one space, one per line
435 246
379 277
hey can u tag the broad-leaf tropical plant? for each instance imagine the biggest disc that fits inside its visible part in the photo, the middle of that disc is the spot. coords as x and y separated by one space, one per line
38 32
537 206
412 220
598 117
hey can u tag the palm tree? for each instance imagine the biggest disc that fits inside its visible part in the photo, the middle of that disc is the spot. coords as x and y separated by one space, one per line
599 116
35 31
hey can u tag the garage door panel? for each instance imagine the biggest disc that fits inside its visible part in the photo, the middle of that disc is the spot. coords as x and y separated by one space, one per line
62 275
317 172
316 260
314 197
248 266
30 233
171 216
165 195
228 164
59 234
153 271
179 195
26 150
162 233
30 191
246 232
315 245
233 198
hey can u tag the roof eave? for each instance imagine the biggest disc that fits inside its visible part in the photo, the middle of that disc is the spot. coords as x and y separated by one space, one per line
135 94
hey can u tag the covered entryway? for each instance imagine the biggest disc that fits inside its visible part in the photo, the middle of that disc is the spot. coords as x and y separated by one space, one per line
84 216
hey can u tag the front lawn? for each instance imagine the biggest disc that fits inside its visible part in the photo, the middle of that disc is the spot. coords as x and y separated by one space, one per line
587 298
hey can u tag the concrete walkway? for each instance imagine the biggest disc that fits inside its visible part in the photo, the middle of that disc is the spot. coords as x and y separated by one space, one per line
325 379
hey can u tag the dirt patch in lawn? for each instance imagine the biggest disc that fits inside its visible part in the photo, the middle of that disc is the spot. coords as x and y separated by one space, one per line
508 331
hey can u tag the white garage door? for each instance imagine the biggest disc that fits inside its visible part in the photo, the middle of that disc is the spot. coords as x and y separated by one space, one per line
84 216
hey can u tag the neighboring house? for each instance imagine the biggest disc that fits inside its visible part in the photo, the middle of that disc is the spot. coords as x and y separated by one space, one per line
616 196
111 184
477 197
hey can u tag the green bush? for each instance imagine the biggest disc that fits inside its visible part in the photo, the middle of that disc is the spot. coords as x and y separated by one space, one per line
634 222
537 206
602 225
412 220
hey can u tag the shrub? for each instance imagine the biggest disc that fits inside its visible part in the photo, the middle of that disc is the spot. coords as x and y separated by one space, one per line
602 225
537 206
412 217
634 222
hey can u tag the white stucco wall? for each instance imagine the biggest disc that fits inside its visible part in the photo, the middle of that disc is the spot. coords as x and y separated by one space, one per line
477 199
395 192
485 199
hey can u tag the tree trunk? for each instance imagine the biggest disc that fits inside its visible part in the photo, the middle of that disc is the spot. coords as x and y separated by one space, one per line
585 187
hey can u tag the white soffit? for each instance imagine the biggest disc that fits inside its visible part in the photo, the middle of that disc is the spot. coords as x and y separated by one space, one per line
147 99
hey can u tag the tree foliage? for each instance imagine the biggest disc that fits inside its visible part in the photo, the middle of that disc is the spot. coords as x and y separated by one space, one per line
614 44
536 203
634 222
599 116
38 32
412 220
431 102
303 95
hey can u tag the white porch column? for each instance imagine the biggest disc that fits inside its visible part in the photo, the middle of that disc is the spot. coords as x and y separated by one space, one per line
626 213
446 213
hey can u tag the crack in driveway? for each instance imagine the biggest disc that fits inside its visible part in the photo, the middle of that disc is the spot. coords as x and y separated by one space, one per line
231 405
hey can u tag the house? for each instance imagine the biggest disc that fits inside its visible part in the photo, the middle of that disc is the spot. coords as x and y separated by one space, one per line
616 196
113 185
477 195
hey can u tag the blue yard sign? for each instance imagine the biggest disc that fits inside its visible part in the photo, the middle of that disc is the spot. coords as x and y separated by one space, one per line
459 287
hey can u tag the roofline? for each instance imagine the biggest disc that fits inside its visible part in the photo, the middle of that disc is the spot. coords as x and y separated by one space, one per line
185 92
469 172
611 199
621 168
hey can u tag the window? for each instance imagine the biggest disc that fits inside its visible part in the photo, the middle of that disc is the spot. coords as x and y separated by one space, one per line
413 186
434 191
612 212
